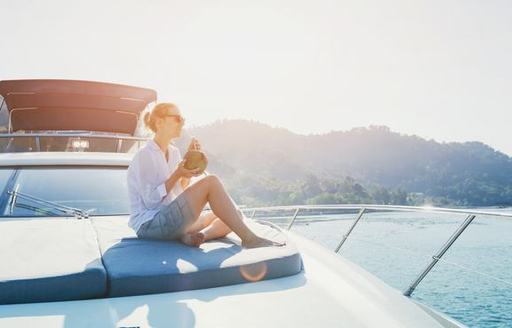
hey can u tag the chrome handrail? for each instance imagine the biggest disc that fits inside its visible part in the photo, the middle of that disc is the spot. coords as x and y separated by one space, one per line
471 214
82 135
67 135
401 208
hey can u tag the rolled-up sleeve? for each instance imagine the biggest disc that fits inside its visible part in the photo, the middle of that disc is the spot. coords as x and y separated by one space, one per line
162 191
151 191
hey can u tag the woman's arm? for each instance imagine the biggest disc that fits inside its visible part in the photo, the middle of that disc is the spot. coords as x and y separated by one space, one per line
185 182
194 145
180 174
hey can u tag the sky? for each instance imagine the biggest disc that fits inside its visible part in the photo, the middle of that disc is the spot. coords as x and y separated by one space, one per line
441 70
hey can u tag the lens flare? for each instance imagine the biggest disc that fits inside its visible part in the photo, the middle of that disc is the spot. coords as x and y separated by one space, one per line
254 272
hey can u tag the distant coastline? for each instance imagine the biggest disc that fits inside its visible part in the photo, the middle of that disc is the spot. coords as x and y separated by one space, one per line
265 166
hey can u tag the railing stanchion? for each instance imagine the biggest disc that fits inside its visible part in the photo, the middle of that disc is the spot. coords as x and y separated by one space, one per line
38 144
293 218
440 254
345 236
119 145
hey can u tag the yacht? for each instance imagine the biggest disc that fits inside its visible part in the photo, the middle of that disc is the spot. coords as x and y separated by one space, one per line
69 259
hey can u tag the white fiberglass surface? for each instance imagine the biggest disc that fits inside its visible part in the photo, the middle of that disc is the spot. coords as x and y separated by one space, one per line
330 292
472 281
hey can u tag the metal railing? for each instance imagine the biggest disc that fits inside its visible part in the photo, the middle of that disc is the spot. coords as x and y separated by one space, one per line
365 208
64 141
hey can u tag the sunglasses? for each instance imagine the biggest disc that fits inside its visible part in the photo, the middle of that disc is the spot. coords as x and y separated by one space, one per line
178 118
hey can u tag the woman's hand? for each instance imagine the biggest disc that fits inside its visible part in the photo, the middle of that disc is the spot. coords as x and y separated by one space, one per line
194 144
181 175
182 172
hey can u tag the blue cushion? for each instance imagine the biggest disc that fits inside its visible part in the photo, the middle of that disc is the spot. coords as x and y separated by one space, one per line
49 260
136 266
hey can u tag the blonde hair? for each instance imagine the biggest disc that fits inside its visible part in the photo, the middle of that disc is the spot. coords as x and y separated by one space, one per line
157 112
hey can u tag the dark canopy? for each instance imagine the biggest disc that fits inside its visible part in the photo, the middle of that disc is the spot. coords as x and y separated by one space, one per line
37 105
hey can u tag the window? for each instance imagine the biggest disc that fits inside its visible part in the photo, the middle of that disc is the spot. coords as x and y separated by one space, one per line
98 190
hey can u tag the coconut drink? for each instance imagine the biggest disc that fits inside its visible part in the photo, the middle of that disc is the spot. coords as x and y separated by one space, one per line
196 159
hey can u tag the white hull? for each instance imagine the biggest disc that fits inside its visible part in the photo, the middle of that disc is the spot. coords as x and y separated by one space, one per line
331 291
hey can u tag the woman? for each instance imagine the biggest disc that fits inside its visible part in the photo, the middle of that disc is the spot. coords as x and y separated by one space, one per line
163 203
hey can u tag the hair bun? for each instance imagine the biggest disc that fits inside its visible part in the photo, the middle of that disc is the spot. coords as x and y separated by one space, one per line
148 123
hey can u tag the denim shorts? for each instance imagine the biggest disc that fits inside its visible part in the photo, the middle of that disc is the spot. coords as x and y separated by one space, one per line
170 222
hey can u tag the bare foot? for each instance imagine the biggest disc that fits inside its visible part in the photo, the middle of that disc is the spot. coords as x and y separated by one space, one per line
194 239
260 242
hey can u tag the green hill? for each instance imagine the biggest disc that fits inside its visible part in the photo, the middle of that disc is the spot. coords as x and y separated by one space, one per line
266 165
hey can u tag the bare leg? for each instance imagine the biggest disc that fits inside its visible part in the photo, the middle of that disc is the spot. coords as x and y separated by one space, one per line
211 190
216 229
204 220
207 227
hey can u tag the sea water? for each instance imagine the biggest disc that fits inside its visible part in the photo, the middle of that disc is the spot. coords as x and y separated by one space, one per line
473 281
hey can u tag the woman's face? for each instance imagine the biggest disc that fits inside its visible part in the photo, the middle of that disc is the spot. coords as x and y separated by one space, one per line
171 122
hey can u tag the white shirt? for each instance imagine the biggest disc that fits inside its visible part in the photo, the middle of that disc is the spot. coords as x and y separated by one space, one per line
146 176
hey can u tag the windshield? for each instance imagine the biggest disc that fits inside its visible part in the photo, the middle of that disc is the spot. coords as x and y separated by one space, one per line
98 191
